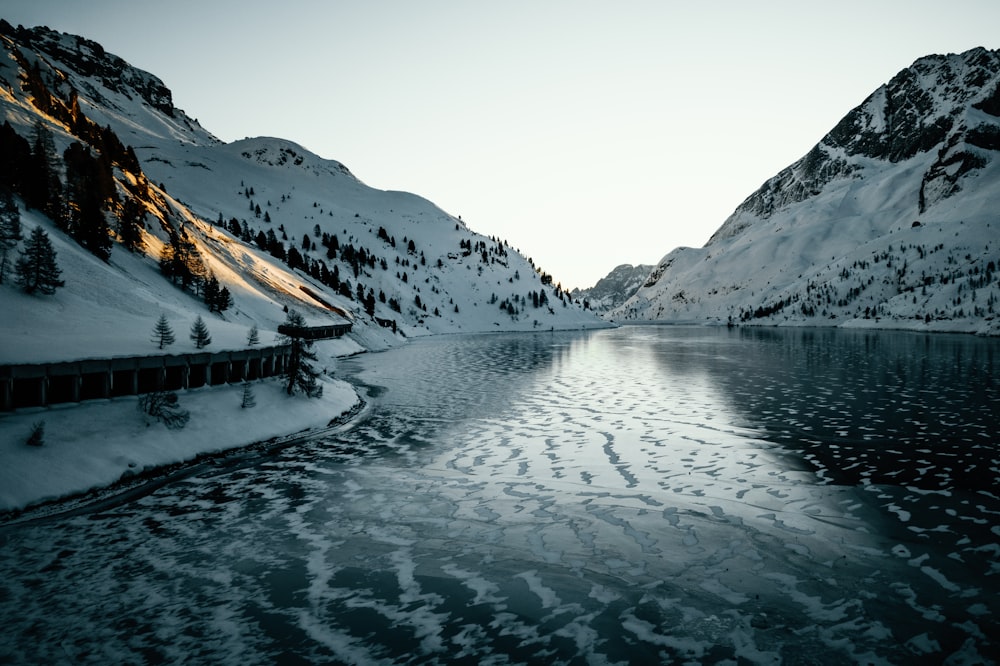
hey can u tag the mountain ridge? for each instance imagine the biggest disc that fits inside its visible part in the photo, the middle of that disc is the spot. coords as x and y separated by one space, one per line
894 183
276 225
615 288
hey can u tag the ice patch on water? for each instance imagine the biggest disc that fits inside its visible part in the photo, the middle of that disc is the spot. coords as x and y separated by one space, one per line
814 606
718 589
603 594
345 648
904 516
646 632
546 595
798 549
910 597
923 644
940 579
745 647
486 591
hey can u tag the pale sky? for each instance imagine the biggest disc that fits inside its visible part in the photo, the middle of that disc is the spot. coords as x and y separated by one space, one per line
586 134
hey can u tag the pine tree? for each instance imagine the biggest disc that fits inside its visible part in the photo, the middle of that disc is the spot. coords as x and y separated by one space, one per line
253 337
224 301
211 293
10 229
36 267
249 400
15 154
216 297
42 187
172 263
300 375
131 225
90 185
163 335
180 261
199 333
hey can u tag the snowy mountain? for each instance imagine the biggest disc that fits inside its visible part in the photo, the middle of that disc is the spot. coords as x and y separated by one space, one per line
275 225
890 220
615 288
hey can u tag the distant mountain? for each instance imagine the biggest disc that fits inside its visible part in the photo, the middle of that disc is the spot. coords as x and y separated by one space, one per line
890 220
275 225
613 289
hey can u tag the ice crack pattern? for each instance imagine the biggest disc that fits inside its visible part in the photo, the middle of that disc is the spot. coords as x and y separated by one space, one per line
643 495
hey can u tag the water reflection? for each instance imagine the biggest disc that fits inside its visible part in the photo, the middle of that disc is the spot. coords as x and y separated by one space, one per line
865 407
641 495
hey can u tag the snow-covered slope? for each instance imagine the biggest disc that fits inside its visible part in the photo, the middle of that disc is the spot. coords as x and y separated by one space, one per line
420 269
891 220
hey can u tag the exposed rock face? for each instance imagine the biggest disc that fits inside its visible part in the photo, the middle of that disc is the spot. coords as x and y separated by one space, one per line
922 148
265 220
89 59
615 288
941 104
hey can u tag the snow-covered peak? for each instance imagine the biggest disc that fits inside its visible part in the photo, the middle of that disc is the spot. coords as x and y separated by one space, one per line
943 105
615 288
890 220
273 223
275 152
109 90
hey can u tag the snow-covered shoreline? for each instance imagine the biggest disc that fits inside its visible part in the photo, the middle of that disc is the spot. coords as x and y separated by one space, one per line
989 327
94 445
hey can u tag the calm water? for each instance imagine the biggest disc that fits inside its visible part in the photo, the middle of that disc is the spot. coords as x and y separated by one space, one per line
640 495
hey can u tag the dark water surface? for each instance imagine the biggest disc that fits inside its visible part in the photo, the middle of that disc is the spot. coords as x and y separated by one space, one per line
641 495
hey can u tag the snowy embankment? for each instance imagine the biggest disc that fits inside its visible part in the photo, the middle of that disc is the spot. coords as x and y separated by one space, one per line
107 310
95 444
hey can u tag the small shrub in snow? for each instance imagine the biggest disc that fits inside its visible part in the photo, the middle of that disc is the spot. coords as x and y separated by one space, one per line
37 436
163 406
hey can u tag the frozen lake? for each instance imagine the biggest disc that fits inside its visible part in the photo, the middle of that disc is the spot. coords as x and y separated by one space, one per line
640 495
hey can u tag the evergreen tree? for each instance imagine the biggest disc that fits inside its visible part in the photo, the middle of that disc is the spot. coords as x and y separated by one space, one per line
15 154
211 293
36 267
89 185
253 336
199 333
172 257
131 225
42 187
261 240
274 246
179 261
10 229
249 400
163 334
300 374
224 301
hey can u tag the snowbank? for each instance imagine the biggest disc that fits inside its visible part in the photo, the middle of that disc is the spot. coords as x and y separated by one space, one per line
94 444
